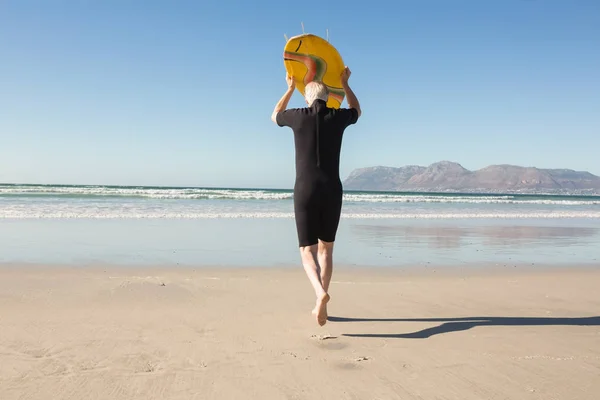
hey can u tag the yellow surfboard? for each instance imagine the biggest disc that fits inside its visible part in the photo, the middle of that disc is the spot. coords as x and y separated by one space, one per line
308 57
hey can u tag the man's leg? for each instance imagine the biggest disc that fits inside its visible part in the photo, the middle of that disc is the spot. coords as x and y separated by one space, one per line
325 258
329 222
309 255
307 223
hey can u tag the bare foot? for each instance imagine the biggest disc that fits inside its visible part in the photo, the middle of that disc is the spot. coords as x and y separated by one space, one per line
316 310
321 309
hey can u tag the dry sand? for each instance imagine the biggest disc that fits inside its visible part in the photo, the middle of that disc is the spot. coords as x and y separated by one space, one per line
165 333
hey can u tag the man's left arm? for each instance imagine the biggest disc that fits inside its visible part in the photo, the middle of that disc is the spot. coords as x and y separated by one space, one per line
285 99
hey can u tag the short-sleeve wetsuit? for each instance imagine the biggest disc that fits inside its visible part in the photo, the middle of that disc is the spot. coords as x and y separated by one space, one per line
318 132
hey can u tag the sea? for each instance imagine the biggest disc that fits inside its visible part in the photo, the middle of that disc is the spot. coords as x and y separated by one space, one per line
139 225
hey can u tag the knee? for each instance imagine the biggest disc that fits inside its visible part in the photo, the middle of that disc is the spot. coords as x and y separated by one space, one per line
325 248
308 251
305 249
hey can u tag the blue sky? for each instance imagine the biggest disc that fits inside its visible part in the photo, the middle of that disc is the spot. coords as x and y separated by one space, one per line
181 92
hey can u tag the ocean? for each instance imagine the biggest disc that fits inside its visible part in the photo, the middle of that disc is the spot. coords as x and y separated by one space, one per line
130 202
83 225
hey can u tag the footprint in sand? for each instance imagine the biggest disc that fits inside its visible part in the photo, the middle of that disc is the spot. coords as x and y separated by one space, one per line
352 363
292 354
328 342
323 337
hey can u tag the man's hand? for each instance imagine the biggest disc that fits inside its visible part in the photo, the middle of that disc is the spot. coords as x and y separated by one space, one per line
290 81
283 102
346 75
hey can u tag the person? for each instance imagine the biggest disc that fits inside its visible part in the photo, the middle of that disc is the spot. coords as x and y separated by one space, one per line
318 131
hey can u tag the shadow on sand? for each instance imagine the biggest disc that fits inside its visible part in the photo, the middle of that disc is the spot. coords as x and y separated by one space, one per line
463 324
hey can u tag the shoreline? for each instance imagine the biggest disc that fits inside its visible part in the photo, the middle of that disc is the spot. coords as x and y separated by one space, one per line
274 243
450 268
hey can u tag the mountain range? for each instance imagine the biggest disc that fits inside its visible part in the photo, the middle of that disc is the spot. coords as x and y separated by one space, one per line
447 176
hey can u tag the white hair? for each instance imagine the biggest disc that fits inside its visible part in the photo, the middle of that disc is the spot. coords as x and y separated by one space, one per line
315 91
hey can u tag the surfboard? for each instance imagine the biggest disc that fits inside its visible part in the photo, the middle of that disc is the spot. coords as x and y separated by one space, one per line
307 58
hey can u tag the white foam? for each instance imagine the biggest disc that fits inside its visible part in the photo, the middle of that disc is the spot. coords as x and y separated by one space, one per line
153 193
399 198
237 194
115 214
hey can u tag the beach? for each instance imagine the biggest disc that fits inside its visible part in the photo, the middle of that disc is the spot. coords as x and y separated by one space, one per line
108 332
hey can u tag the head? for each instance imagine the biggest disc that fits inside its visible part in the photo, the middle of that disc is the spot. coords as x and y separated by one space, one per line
315 91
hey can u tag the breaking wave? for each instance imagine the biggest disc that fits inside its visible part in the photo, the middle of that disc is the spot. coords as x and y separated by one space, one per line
158 193
147 214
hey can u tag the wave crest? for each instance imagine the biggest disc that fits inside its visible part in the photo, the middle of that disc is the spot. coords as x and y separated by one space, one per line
16 214
275 195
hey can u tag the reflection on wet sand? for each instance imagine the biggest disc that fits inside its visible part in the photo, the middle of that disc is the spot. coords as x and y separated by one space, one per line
531 235
452 237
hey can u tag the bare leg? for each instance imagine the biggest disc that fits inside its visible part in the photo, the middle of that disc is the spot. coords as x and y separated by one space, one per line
313 271
325 257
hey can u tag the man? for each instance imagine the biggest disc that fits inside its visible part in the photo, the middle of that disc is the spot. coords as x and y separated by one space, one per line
318 132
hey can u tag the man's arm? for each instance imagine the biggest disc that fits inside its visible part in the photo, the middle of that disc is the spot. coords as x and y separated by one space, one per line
350 96
285 99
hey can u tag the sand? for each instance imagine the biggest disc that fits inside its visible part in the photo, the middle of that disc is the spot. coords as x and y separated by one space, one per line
183 333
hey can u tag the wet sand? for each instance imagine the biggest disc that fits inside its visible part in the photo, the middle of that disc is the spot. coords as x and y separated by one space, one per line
108 332
273 242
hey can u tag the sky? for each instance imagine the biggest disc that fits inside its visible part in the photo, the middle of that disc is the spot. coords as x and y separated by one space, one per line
180 93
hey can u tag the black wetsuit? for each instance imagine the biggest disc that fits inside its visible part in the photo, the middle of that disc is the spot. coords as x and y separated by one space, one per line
318 132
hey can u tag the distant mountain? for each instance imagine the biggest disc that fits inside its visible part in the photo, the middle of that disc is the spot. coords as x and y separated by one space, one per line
382 178
447 176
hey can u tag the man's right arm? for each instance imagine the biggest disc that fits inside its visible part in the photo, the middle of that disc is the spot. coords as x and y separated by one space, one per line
350 96
280 108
